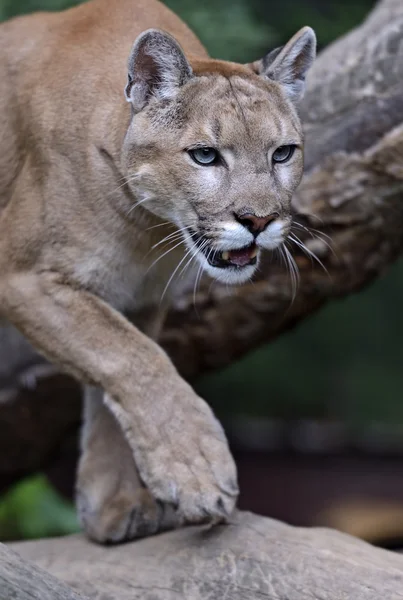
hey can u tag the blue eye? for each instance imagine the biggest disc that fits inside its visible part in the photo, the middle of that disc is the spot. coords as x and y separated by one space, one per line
283 154
204 156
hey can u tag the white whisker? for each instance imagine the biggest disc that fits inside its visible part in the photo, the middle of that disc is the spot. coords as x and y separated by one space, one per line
126 181
168 238
176 269
194 255
139 203
316 234
313 216
293 271
160 225
198 278
164 254
307 251
313 231
173 273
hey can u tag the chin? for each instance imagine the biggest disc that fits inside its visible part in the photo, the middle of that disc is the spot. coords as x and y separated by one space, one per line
232 275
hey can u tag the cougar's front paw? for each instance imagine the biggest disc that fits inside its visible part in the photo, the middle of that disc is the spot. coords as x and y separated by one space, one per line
123 516
112 504
184 461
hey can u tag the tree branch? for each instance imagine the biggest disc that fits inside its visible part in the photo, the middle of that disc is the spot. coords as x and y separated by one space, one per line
20 580
254 557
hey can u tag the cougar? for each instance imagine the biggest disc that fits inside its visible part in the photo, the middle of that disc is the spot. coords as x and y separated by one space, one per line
130 160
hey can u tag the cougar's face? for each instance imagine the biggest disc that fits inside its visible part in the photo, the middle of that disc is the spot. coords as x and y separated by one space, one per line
221 162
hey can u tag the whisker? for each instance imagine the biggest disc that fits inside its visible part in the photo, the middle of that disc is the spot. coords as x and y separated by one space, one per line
197 281
173 275
302 246
194 255
316 234
307 251
293 271
321 233
313 216
160 225
175 271
280 253
170 237
139 203
124 178
126 181
164 254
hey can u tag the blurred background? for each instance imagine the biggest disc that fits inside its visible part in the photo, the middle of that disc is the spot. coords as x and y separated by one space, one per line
315 418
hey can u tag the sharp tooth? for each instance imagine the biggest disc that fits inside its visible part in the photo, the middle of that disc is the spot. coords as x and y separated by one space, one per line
225 255
254 253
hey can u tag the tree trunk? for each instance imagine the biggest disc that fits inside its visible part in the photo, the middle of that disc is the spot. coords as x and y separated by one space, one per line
252 558
352 192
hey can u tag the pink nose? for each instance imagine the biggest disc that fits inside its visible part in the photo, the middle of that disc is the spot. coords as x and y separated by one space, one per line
256 224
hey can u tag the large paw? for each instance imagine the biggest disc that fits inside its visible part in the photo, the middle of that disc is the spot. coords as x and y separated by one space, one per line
112 504
123 516
183 458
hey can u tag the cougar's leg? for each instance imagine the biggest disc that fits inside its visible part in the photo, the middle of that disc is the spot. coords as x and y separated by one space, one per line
113 504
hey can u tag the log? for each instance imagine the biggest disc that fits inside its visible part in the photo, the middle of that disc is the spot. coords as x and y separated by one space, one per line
21 580
252 558
352 192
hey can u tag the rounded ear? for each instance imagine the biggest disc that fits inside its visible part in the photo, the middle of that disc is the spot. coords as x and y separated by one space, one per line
157 67
288 65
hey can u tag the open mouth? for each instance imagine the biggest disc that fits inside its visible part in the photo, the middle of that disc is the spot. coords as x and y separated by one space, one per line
223 259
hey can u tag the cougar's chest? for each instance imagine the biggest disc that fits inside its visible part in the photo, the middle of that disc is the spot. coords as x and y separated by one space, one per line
130 280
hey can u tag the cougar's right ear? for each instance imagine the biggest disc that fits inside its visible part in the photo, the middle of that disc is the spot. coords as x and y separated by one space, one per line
157 67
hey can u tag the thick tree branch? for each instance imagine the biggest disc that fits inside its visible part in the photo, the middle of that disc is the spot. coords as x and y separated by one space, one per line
252 558
20 580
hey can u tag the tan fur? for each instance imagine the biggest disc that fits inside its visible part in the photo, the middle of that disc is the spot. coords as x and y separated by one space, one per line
89 188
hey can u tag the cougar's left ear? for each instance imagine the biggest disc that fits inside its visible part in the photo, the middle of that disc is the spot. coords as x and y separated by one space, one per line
157 67
288 65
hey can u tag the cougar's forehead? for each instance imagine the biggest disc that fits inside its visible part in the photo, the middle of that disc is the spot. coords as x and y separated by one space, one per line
230 111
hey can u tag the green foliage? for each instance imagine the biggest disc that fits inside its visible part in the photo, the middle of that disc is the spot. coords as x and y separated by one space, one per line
330 19
12 8
32 509
229 28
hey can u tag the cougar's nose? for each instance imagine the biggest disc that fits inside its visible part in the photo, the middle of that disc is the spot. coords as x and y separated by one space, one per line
255 224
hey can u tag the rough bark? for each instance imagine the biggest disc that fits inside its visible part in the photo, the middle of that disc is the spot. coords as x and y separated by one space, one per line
20 580
352 191
252 558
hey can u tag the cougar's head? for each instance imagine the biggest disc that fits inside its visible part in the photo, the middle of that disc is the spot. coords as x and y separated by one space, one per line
216 148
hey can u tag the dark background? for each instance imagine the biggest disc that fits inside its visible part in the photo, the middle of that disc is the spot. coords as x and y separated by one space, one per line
340 368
